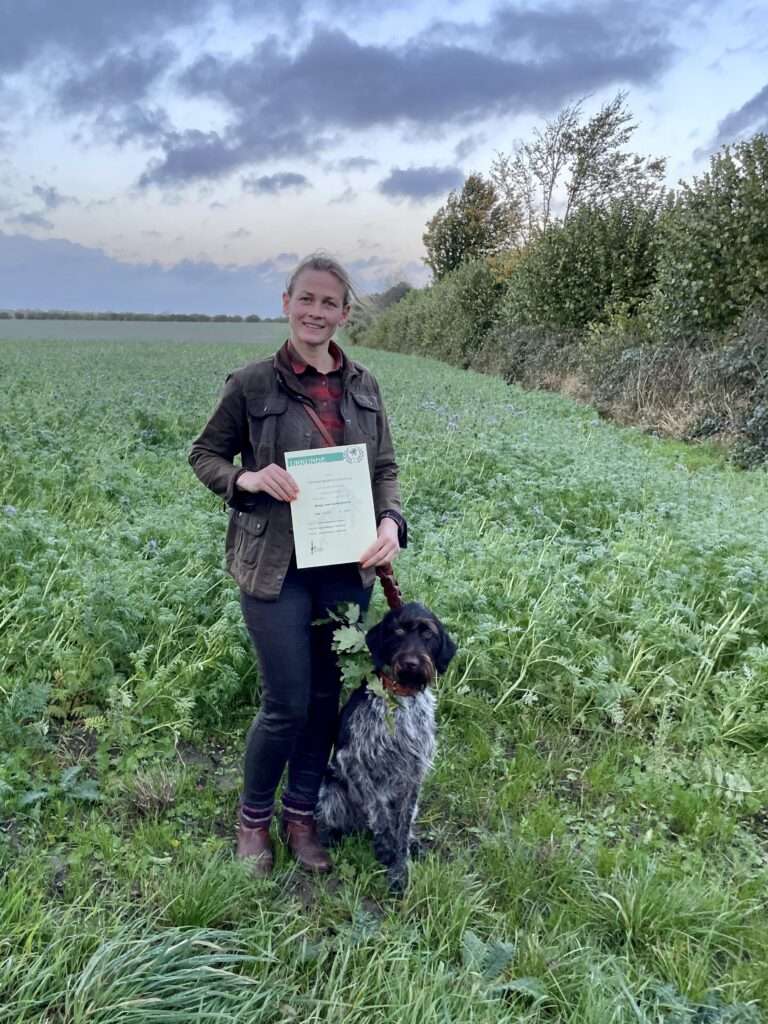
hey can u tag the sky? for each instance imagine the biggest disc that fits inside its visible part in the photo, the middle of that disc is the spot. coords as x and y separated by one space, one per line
183 155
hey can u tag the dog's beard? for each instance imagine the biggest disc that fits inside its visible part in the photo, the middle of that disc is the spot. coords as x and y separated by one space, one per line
416 677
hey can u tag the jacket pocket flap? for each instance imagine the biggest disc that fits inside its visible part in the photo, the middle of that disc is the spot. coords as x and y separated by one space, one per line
366 400
266 405
251 522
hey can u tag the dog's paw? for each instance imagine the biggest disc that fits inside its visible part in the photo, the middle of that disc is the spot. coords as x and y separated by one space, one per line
397 877
329 836
416 848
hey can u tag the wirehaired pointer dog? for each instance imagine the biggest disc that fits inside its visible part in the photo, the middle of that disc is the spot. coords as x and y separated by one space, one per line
375 774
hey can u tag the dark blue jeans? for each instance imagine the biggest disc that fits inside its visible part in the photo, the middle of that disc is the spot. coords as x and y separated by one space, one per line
300 681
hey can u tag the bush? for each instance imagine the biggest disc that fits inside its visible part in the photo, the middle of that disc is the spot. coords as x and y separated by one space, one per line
696 387
365 311
743 368
600 263
714 258
534 357
447 320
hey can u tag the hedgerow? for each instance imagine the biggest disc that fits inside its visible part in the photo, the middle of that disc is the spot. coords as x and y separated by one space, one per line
641 304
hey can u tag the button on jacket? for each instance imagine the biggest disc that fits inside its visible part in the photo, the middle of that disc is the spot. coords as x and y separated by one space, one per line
260 416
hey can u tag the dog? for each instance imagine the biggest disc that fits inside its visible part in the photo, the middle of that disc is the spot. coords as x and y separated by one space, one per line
378 765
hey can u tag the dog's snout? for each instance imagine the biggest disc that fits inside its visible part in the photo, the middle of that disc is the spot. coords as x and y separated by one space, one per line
409 662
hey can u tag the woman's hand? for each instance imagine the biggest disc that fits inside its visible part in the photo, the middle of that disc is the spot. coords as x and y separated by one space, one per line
273 480
385 548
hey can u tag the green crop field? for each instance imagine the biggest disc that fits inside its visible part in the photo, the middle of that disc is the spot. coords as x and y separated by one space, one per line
597 821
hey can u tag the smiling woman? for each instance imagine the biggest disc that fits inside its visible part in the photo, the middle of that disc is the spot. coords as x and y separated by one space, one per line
317 301
307 395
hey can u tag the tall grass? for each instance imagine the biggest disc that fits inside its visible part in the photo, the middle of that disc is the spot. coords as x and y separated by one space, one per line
596 825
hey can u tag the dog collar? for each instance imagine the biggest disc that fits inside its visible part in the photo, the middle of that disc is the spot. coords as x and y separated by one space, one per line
397 688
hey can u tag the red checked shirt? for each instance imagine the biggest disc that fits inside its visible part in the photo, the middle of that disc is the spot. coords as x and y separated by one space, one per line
323 389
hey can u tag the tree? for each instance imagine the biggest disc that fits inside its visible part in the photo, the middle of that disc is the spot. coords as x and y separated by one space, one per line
714 246
570 165
472 224
600 263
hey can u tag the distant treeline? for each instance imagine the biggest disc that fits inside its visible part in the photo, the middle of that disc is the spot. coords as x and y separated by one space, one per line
68 314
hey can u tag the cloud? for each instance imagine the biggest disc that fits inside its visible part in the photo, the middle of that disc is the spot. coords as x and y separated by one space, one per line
751 117
31 219
51 198
240 233
56 274
347 196
149 126
119 79
86 27
293 102
466 146
355 163
417 183
271 184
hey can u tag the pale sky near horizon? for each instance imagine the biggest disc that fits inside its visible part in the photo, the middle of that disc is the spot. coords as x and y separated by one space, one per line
182 154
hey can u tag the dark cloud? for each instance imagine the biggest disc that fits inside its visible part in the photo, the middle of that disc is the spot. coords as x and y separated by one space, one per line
355 163
51 198
85 27
55 274
290 102
192 154
31 219
750 118
418 183
135 123
466 146
599 29
119 79
271 184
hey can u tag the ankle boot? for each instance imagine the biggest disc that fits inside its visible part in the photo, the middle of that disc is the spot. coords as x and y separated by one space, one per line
303 842
254 845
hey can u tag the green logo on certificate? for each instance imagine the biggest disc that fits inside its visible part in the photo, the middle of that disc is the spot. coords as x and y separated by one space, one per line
355 453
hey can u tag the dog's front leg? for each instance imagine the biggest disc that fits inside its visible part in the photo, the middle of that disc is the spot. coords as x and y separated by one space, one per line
405 836
398 841
384 828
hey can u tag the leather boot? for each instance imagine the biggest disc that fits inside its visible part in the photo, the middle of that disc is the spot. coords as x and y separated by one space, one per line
254 846
305 846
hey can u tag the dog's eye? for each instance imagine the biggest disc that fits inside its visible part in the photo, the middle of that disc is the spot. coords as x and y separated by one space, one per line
399 631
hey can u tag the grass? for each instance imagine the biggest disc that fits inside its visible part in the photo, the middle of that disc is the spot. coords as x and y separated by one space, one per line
596 821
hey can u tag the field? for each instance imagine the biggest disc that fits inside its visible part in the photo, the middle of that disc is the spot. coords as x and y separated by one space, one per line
597 822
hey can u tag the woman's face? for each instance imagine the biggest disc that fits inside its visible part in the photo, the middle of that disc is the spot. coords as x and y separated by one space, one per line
315 308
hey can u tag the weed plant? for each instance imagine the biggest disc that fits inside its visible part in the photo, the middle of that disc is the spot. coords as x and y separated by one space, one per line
597 821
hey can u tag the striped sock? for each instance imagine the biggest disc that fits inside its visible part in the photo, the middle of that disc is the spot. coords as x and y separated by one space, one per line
298 812
256 815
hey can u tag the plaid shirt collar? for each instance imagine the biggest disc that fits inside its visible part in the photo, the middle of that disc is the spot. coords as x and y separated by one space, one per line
299 366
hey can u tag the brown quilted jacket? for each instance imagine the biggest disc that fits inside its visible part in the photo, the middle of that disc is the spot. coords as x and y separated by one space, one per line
260 417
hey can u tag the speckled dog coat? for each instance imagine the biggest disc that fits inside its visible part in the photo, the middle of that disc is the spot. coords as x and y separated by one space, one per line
376 772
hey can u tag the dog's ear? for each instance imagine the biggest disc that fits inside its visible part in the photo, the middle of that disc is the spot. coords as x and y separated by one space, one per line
375 640
446 651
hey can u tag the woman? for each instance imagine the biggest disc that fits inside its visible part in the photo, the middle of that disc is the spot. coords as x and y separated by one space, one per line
267 408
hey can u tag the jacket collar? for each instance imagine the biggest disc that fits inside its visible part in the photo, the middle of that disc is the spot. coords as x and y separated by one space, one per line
299 366
288 377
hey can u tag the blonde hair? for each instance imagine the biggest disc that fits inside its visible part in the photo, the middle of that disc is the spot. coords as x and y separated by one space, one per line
323 261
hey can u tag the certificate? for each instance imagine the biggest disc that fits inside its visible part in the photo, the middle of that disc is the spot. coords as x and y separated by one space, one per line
333 517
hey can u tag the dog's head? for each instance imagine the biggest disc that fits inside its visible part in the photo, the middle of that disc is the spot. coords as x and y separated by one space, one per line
414 644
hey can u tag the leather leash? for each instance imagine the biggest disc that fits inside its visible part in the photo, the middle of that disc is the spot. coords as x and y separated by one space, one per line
385 572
